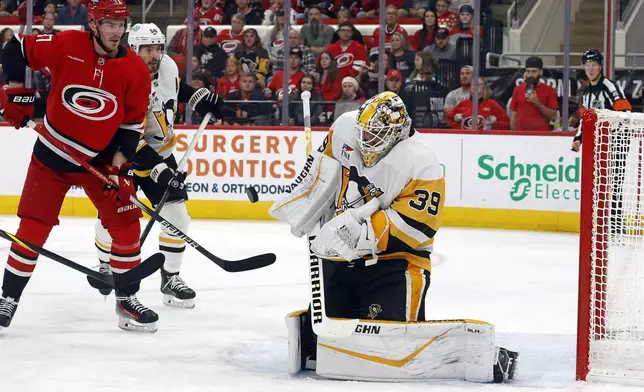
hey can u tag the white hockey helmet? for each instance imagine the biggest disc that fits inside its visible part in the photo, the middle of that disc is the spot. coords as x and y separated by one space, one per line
142 34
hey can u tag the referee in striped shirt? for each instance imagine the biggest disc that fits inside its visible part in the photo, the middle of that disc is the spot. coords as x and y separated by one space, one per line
603 93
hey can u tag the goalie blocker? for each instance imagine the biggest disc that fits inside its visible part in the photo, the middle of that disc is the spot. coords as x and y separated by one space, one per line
401 351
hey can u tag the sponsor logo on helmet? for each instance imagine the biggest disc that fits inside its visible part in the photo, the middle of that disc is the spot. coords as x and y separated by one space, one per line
344 60
89 102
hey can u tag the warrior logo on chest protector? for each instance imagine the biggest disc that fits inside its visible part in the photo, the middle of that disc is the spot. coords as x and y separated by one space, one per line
89 102
355 188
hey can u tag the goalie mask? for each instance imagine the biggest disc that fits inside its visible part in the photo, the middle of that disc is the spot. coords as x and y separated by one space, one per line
382 122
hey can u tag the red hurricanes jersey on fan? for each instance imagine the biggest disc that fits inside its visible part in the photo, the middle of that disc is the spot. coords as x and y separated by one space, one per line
91 97
229 41
213 16
349 59
277 83
388 34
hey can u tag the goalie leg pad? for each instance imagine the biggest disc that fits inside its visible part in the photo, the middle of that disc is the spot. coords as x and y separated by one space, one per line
301 342
400 351
312 196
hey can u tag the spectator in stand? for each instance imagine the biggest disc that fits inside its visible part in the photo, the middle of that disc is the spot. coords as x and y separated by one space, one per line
349 54
207 13
391 27
35 31
48 24
446 18
394 83
441 48
238 112
345 16
491 115
364 8
212 56
351 98
400 56
327 8
253 57
274 38
307 83
271 13
328 77
251 15
308 58
73 14
462 93
369 75
275 88
230 38
423 67
465 25
230 81
6 34
417 9
179 42
50 6
425 36
534 104
316 34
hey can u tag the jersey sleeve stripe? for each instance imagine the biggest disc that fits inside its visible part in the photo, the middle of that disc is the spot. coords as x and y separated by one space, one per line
68 141
138 127
613 89
622 105
419 226
399 228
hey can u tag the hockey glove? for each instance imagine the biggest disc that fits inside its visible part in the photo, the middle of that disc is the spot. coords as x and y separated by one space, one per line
18 104
203 102
123 176
162 174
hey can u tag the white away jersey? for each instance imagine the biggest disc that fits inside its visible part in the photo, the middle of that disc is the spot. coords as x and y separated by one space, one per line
159 122
408 182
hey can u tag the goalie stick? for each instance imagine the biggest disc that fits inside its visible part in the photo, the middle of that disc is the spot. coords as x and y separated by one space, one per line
322 325
96 279
247 264
182 164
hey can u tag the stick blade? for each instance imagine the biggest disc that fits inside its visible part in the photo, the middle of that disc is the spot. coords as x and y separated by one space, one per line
335 328
251 263
136 274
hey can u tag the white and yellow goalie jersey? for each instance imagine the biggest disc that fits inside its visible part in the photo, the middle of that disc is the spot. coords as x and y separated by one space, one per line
408 183
159 122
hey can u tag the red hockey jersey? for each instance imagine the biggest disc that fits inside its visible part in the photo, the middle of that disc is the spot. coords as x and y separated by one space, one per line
229 41
91 97
277 83
388 33
488 109
447 20
349 59
213 16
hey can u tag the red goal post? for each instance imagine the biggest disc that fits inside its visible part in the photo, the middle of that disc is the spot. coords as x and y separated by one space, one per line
610 331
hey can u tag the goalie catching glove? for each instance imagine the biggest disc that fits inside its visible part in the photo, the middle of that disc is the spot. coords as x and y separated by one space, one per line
203 101
349 236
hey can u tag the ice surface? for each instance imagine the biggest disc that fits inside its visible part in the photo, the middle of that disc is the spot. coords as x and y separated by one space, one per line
64 336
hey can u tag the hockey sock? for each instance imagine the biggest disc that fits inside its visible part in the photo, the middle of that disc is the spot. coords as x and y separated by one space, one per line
171 246
126 253
103 243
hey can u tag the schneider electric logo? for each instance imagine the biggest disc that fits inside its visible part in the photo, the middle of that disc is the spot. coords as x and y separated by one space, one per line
538 181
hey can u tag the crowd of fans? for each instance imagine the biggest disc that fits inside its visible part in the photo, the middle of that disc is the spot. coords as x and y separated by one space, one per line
339 66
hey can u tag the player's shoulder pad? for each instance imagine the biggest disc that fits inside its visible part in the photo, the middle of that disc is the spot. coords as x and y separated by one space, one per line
168 69
415 157
343 126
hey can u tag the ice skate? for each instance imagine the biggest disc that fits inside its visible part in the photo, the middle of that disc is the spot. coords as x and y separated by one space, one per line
175 291
133 316
506 365
8 307
104 268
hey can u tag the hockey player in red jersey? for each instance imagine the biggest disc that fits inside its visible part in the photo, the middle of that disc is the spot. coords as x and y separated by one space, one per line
95 110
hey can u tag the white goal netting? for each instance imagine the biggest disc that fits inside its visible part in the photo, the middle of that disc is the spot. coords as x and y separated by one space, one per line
616 351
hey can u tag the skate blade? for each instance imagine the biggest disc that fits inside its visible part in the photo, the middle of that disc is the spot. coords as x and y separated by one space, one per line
169 300
130 325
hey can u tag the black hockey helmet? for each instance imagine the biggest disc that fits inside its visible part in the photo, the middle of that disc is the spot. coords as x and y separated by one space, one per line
592 55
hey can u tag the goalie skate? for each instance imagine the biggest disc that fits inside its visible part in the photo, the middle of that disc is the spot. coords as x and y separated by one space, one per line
133 316
176 292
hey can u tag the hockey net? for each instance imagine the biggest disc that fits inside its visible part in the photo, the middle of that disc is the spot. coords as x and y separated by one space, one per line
610 340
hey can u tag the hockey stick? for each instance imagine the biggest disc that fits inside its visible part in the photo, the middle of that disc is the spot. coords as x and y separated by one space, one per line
96 279
321 324
250 263
247 264
182 164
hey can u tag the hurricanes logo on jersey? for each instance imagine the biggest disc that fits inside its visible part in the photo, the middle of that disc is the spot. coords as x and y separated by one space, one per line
89 102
